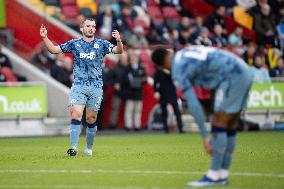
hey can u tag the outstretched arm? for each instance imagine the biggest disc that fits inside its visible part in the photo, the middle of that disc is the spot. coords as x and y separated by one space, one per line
49 45
197 112
118 49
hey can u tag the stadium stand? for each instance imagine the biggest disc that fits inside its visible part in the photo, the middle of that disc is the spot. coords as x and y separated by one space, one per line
146 23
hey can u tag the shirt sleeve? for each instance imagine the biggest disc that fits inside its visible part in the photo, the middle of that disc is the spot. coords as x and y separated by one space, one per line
107 47
67 47
180 76
196 111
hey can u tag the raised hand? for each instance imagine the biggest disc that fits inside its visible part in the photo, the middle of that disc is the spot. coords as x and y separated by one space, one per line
43 31
116 35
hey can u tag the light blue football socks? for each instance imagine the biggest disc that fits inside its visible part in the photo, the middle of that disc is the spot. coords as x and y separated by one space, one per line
219 144
91 131
75 131
231 143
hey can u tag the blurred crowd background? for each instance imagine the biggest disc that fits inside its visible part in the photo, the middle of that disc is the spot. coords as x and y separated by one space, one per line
252 29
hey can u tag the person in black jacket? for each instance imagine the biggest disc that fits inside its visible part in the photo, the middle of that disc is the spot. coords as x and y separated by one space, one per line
217 17
117 75
165 92
133 82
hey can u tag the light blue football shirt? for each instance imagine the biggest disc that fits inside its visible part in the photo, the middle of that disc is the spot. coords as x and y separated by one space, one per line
208 68
88 58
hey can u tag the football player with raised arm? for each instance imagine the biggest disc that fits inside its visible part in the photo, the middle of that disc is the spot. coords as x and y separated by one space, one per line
86 90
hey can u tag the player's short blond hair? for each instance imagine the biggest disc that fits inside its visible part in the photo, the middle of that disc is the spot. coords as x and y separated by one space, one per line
83 22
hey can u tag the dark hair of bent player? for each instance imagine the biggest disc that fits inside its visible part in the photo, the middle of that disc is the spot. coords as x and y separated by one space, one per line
158 56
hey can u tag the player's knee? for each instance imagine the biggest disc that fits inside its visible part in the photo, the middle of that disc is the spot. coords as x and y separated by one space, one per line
91 118
221 119
76 114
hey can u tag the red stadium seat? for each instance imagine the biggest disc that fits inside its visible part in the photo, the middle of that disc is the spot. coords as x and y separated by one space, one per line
67 2
142 23
151 3
10 76
70 11
171 12
147 62
155 14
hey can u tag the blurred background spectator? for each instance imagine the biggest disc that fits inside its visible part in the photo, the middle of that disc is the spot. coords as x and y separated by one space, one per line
118 73
252 29
260 74
133 82
278 71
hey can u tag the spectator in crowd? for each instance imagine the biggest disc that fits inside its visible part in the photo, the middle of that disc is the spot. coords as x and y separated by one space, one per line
113 3
278 71
217 17
197 25
165 93
137 39
108 82
155 38
172 38
185 31
62 70
117 74
126 22
226 3
236 40
236 37
249 54
44 60
256 9
264 26
218 39
203 38
260 74
277 8
173 3
107 22
133 85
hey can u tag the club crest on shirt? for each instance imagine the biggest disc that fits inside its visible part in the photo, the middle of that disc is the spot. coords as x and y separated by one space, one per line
96 46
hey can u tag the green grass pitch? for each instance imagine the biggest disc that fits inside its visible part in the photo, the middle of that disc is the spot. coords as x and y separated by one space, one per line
137 161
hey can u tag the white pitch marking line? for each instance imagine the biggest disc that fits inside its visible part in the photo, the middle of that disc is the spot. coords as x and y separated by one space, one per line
134 172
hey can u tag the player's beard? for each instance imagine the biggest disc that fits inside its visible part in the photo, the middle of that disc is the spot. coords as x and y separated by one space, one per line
86 34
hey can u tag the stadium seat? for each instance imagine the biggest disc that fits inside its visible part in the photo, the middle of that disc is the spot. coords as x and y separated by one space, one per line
242 17
67 2
91 4
155 14
142 23
84 3
39 7
34 2
50 10
151 3
9 75
70 11
170 12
